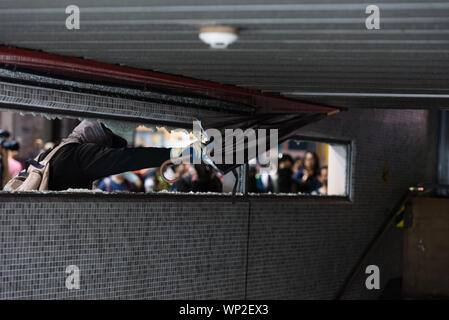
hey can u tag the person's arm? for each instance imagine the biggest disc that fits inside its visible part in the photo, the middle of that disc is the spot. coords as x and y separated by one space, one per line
96 161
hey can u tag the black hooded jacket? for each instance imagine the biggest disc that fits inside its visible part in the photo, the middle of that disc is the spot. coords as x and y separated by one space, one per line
78 164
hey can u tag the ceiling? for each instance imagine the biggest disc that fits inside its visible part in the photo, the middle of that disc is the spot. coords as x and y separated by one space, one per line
315 50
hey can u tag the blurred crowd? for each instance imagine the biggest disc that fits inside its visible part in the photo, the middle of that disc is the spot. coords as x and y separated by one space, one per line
299 175
191 178
9 149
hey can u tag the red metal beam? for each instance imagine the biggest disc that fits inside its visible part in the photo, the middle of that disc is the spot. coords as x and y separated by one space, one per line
85 68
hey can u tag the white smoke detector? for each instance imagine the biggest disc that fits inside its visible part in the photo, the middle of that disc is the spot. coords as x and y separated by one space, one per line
218 37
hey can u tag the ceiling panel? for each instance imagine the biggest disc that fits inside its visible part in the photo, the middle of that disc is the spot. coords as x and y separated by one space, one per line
312 50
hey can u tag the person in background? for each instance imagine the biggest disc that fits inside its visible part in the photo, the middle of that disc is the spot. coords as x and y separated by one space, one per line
252 180
96 183
297 165
322 178
10 167
196 178
285 173
116 182
206 179
150 180
134 181
184 174
153 181
307 178
38 147
4 170
259 182
264 179
14 166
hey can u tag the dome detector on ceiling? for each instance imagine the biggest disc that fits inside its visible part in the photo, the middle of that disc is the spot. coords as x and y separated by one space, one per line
218 37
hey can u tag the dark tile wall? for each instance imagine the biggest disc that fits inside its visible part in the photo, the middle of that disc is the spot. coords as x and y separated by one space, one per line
177 248
126 250
306 250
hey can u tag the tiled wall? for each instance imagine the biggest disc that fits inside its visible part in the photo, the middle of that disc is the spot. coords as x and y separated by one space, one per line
148 248
143 250
306 250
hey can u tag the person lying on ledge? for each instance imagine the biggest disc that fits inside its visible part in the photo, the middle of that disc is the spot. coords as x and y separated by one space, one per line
96 153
